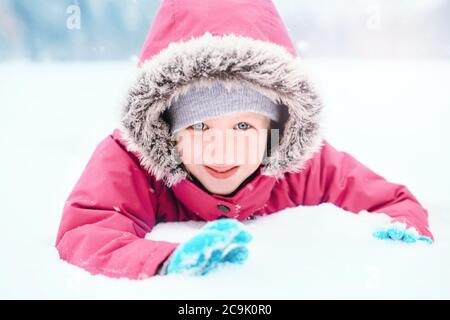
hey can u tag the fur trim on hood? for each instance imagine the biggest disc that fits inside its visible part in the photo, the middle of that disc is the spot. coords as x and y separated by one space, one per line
236 60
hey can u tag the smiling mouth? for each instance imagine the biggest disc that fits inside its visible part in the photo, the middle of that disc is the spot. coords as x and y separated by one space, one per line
221 173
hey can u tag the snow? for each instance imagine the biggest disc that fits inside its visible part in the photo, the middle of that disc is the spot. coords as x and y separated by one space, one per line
391 115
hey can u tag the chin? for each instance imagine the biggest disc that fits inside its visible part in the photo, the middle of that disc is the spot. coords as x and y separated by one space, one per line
222 187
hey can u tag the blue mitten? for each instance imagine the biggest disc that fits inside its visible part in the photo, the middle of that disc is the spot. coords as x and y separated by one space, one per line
219 242
399 231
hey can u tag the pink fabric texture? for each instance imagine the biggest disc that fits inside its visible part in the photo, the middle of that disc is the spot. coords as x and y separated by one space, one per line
181 20
116 202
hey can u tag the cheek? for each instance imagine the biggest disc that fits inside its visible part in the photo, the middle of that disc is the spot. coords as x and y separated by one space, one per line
251 147
190 149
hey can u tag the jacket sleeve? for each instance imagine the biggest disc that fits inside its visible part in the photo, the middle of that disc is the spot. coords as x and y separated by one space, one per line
336 177
107 214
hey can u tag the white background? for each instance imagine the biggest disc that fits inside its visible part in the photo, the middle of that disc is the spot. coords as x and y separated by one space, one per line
391 115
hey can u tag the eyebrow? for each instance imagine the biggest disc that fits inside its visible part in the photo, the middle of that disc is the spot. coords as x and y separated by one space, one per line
237 120
246 117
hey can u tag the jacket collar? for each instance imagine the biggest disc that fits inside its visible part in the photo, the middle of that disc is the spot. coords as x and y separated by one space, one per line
251 197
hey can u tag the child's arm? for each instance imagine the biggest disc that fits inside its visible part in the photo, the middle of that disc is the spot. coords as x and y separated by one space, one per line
107 215
336 177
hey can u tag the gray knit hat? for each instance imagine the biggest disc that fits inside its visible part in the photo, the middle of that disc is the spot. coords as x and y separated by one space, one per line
201 103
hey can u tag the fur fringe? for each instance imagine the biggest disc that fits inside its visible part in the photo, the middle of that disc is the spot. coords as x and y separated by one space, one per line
236 60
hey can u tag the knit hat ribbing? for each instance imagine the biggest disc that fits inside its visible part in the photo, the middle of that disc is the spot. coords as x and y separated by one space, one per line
201 103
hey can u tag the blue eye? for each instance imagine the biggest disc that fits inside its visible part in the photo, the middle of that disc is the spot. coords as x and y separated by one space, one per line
199 126
242 126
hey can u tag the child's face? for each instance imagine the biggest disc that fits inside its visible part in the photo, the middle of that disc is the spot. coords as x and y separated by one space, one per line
222 152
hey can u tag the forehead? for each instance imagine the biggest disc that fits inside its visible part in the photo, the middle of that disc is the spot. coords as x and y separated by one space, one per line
255 116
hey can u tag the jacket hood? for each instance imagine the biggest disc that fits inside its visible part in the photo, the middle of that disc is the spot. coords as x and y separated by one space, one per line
196 42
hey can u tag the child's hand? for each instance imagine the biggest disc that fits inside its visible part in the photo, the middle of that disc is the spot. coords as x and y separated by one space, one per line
399 231
220 241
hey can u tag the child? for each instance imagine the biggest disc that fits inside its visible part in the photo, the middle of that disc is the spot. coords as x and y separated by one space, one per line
217 66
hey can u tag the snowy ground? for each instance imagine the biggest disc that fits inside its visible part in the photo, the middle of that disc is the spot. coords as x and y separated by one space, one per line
392 116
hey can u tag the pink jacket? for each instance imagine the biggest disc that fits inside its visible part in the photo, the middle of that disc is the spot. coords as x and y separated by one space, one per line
133 180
